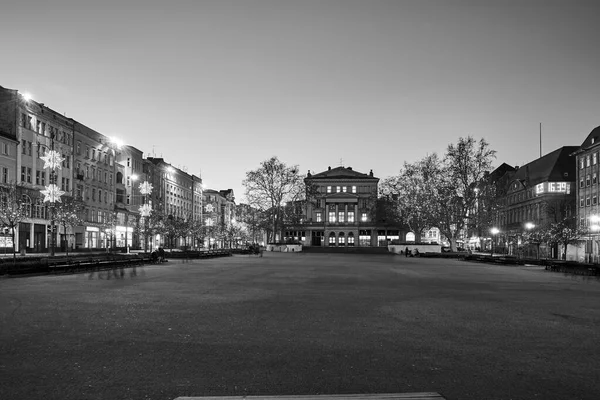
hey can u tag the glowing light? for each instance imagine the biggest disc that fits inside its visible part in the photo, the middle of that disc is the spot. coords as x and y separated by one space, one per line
209 222
494 231
117 142
594 218
595 228
145 187
209 208
145 210
134 177
26 96
53 160
52 193
529 225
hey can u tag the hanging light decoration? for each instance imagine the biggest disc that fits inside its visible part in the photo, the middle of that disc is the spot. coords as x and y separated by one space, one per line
52 193
53 160
145 188
145 210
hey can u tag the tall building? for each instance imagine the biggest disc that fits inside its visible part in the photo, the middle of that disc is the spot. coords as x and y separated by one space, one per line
341 211
28 130
218 214
588 209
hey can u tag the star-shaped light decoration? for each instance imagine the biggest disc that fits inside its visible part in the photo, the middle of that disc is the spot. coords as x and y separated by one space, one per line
52 193
145 187
145 210
53 160
209 208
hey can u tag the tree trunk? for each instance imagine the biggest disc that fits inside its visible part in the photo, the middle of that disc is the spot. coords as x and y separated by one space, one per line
453 246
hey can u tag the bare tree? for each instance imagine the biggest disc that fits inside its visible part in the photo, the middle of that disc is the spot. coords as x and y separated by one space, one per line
465 165
413 190
270 187
12 210
564 233
67 214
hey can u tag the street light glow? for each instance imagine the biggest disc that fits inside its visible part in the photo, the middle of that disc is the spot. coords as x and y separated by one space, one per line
594 218
494 231
26 96
529 225
134 177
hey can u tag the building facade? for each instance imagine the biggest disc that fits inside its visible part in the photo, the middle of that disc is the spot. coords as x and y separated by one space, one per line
587 192
340 211
537 194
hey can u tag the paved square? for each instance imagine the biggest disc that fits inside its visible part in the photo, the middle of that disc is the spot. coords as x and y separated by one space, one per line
302 324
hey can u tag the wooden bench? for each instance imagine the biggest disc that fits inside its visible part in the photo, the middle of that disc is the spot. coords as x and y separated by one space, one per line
383 396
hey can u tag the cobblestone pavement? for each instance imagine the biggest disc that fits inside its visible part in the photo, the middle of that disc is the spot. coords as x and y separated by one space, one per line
301 324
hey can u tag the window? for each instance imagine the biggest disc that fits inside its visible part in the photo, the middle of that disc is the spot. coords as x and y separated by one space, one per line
587 201
338 189
29 148
328 189
581 183
332 239
94 194
341 239
595 158
100 195
37 177
581 202
28 175
331 216
4 175
43 178
87 151
587 180
363 217
62 185
5 149
595 178
344 189
595 200
351 239
353 191
319 217
78 148
23 146
128 161
587 161
128 181
93 154
341 216
44 129
350 218
128 199
581 163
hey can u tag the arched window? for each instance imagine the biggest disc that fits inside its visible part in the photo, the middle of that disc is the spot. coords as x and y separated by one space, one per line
119 177
341 239
27 205
410 237
332 239
351 239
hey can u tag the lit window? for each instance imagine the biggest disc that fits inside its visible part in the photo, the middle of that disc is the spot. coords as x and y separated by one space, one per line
331 216
344 189
319 218
350 216
595 158
341 216
353 189
581 163
363 217
328 189
587 161
338 189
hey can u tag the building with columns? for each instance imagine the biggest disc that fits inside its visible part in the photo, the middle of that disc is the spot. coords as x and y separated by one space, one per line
340 211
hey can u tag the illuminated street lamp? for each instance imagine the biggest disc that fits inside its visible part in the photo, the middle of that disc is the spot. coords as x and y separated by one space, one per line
53 161
494 231
145 209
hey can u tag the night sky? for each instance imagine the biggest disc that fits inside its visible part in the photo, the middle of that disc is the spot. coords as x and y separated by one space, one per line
216 87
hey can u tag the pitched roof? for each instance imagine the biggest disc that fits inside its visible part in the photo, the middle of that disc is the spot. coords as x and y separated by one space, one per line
592 139
549 168
342 173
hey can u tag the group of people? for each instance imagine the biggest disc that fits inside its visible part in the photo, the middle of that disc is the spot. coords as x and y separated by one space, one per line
409 253
158 255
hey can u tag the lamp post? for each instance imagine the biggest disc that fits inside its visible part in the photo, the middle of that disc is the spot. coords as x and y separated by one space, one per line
528 227
494 232
145 209
52 160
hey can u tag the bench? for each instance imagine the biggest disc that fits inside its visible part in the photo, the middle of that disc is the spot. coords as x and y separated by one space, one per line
383 396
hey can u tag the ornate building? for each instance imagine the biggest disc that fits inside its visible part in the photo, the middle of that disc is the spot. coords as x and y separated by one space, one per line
341 211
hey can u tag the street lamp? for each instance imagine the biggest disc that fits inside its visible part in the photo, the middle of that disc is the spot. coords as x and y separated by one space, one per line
494 232
52 160
528 227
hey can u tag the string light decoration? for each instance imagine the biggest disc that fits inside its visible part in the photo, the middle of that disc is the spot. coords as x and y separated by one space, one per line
52 160
145 188
145 209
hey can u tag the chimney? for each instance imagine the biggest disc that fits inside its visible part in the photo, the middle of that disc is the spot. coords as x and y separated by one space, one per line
371 173
328 168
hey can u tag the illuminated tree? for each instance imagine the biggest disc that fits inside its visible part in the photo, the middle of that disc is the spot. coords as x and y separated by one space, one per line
12 210
67 214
